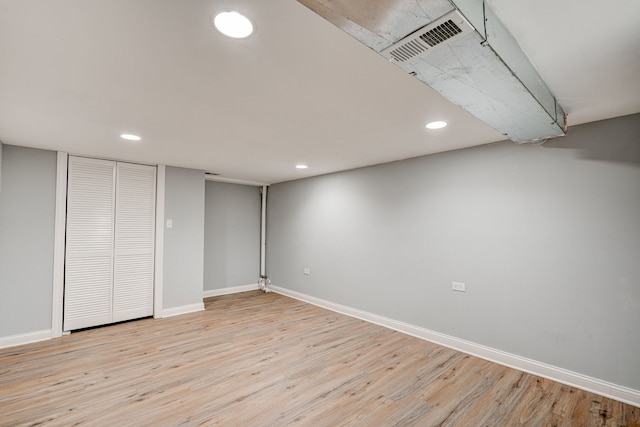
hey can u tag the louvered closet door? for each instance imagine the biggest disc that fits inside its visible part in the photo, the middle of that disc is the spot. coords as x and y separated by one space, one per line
89 251
134 241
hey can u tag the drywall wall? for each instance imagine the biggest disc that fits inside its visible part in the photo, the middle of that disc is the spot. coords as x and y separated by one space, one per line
27 209
184 241
1 170
231 235
546 239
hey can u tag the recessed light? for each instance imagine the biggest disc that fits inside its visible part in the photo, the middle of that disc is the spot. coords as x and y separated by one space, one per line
436 125
233 24
130 137
301 166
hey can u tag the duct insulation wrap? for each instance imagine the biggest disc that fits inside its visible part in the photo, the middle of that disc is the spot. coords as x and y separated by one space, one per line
462 52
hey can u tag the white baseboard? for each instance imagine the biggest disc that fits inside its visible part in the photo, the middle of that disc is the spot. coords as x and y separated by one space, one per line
564 376
183 309
27 338
230 290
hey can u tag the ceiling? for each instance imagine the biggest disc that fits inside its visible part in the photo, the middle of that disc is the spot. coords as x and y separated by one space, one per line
74 75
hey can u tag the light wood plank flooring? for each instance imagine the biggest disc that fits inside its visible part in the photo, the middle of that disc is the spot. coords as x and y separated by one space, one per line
256 359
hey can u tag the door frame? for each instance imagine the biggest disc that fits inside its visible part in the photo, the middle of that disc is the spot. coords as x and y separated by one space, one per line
60 229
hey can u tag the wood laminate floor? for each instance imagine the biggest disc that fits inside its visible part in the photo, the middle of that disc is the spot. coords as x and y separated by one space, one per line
255 359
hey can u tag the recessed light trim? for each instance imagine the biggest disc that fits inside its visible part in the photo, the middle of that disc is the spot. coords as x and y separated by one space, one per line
301 166
130 137
439 124
233 24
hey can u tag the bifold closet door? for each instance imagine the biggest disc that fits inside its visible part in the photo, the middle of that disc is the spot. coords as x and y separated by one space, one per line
88 289
134 241
110 242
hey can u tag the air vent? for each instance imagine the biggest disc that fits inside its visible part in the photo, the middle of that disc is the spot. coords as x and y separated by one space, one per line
482 70
441 33
427 38
408 50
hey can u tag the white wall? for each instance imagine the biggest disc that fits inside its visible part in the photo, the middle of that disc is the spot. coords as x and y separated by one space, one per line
546 238
232 235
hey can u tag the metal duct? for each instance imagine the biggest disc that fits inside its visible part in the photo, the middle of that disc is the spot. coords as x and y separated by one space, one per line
461 50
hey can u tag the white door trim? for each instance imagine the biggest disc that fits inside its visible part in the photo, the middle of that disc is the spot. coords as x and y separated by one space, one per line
60 227
60 235
159 255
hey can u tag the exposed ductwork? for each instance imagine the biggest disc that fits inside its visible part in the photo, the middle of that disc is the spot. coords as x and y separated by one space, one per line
461 50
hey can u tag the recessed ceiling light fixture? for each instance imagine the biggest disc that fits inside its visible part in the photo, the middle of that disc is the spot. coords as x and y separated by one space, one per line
130 137
436 125
233 24
301 166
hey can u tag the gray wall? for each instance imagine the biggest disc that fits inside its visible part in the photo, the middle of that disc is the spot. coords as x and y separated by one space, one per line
546 238
231 235
184 243
27 209
1 170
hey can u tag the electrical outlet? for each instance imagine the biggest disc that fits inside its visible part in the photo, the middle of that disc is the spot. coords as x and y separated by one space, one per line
169 223
457 286
307 272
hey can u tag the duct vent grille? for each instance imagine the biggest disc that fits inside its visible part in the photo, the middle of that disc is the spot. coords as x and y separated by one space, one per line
425 39
408 50
441 33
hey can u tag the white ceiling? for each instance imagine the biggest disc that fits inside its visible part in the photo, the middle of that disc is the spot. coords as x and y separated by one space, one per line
74 74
